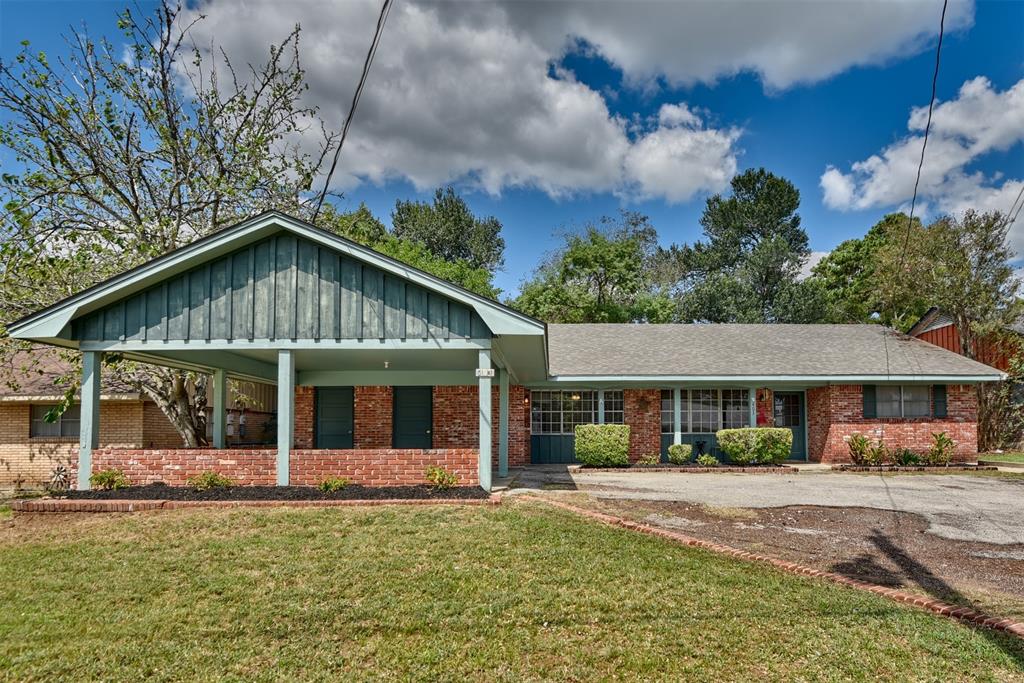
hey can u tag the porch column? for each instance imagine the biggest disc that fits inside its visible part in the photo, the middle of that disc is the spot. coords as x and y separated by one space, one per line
600 407
285 412
89 427
503 422
484 373
220 412
753 407
677 415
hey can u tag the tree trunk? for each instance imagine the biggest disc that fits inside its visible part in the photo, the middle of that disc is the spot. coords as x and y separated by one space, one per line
181 396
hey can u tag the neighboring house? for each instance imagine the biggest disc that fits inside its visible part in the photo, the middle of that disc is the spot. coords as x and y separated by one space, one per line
383 370
935 327
32 448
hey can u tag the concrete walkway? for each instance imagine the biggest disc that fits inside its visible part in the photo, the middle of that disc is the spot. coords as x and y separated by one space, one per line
961 507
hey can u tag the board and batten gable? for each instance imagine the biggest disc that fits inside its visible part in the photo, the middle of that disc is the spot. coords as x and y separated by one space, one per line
282 287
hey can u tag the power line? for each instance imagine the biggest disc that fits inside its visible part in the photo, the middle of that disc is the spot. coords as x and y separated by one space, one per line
385 10
927 129
1011 215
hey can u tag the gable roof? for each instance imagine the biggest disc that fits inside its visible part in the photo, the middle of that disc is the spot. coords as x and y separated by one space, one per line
793 352
39 374
934 319
51 324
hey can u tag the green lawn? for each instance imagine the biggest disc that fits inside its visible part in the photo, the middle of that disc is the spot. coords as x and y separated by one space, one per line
1002 457
520 592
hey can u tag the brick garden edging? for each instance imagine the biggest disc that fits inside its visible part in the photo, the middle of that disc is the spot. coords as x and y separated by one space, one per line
65 505
781 469
965 614
913 468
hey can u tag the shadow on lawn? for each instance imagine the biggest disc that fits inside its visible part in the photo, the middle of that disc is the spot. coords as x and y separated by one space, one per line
867 568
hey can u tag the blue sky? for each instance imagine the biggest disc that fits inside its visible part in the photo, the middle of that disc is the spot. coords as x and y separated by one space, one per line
759 109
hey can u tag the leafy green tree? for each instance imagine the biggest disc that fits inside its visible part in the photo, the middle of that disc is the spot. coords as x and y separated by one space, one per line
600 275
123 154
848 276
448 229
363 227
747 270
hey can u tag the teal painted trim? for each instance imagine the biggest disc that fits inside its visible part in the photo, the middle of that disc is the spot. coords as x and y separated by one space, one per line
385 378
278 344
503 423
174 361
600 407
752 405
285 413
89 427
746 380
220 405
677 416
485 421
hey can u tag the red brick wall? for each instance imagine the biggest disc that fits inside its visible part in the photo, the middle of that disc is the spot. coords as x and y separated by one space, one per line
373 417
643 415
382 467
765 408
836 412
173 466
457 421
305 417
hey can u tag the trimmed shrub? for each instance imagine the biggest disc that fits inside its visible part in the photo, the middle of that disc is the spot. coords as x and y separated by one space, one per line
440 478
205 481
649 459
941 451
707 460
679 453
738 444
860 448
334 484
602 445
109 480
772 445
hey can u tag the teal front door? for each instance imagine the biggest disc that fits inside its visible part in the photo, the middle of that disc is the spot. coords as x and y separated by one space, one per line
335 426
413 417
789 412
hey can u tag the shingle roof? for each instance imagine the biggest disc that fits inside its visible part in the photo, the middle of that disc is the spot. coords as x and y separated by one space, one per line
39 372
749 351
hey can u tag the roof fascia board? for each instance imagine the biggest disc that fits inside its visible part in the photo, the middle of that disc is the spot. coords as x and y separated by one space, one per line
811 379
285 344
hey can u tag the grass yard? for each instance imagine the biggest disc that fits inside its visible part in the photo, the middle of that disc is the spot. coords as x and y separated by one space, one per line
1002 457
520 592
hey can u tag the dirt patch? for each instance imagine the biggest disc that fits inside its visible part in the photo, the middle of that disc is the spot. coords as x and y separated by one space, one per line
351 492
884 547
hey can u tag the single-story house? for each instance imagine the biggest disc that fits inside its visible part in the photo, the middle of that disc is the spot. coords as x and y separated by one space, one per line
31 449
383 370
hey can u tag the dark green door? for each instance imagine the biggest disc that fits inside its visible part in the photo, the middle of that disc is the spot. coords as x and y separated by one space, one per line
413 417
335 425
789 412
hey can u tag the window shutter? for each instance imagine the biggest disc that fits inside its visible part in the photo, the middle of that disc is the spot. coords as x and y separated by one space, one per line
870 409
939 398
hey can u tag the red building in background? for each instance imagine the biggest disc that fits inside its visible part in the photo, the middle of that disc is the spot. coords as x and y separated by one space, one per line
935 327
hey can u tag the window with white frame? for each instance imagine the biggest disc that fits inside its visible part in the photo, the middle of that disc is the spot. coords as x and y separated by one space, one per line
704 413
705 410
668 412
902 401
614 407
558 412
66 424
735 408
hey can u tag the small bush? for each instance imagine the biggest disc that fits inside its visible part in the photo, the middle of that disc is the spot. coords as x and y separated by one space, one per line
649 459
440 478
334 484
109 480
877 455
859 449
679 453
738 444
707 460
772 445
941 451
904 457
603 445
205 481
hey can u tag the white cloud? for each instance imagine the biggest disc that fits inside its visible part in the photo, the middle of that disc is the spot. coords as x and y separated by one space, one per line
466 90
979 121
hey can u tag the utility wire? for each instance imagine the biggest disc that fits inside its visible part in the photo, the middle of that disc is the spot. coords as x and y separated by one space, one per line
1011 215
385 10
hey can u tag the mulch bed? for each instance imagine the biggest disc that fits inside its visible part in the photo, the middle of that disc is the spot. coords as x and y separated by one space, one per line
350 492
748 469
913 468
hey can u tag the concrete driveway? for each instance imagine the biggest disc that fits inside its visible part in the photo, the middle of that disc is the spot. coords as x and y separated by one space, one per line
959 507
